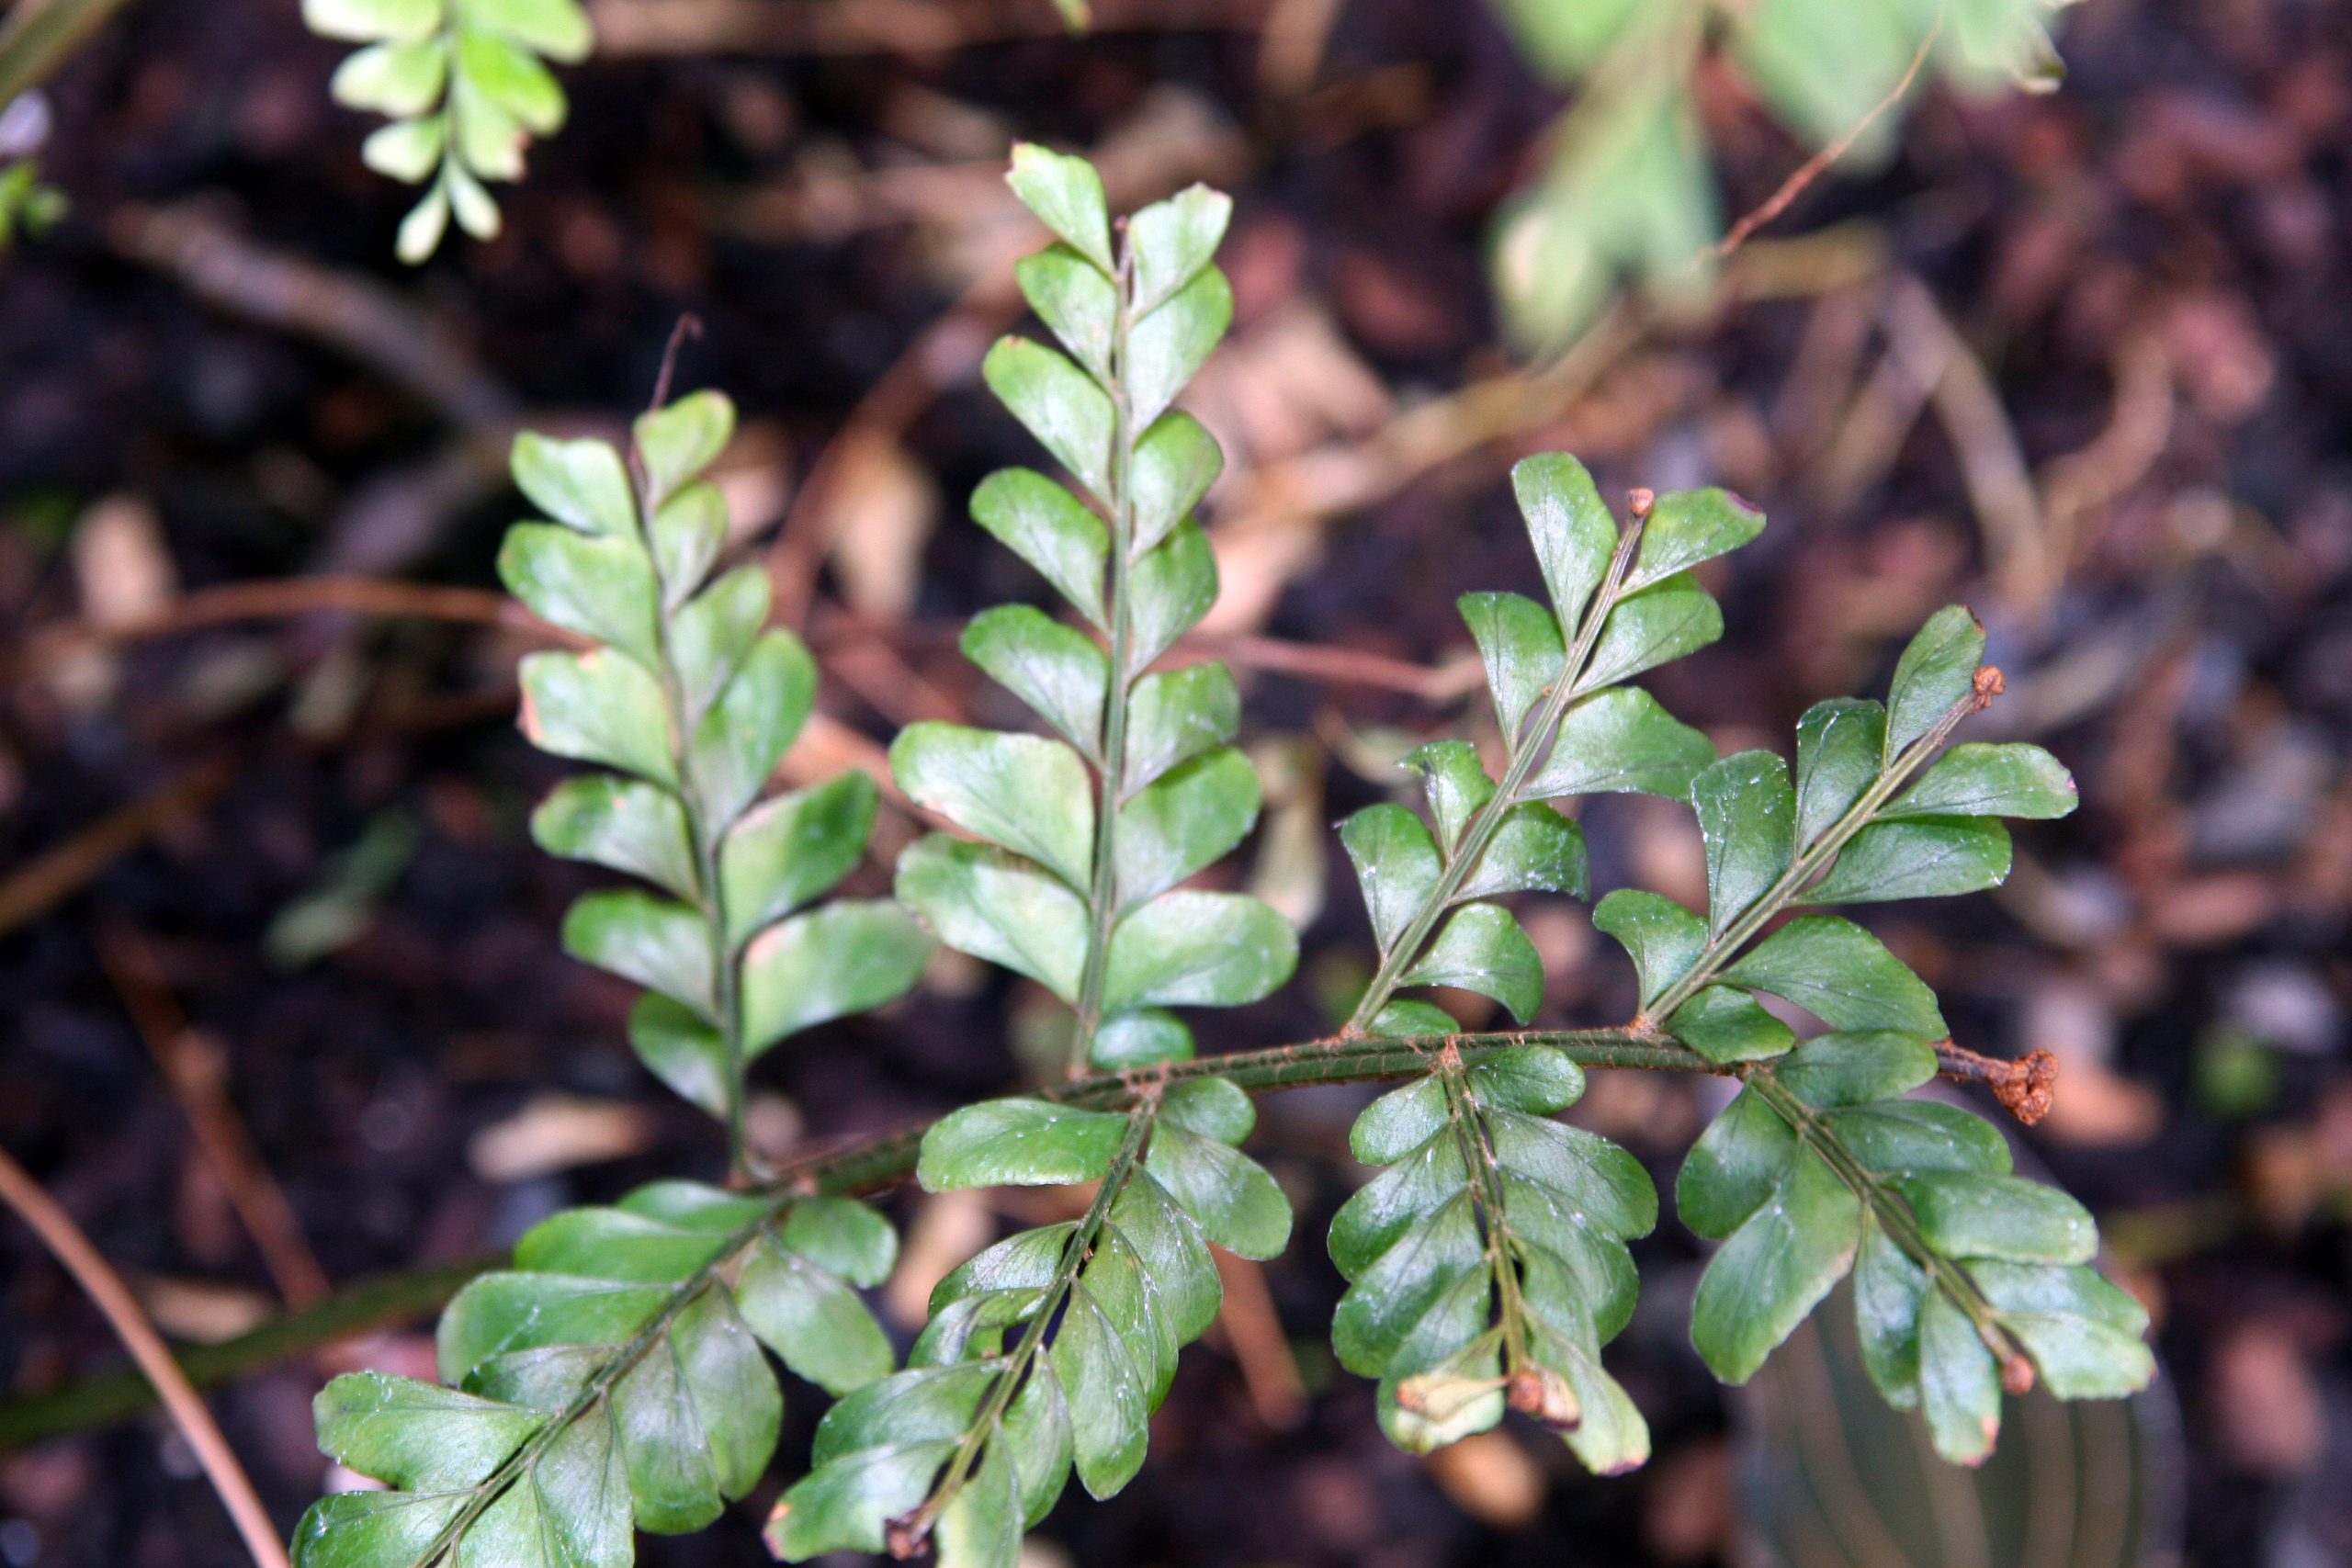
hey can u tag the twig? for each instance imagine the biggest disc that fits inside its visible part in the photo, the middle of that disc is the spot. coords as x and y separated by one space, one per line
38 34
48 879
192 1068
275 598
2026 1087
105 1288
1812 168
366 1307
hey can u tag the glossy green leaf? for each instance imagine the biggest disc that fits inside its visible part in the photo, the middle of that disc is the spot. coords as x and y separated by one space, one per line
1230 1196
1839 743
1457 783
675 444
1975 779
791 848
1775 1269
1018 1142
685 535
842 1236
997 907
1936 672
598 707
1138 1038
625 824
1067 196
568 1509
1843 975
1069 415
745 734
1172 239
658 943
1032 796
1897 1135
811 1319
1173 586
1888 1291
1188 818
1748 818
1925 857
1655 626
847 1505
367 20
1049 528
1521 644
1060 673
714 632
512 78
1396 864
417 1435
1687 526
1571 527
2088 1336
487 139
1211 1107
409 150
1833 1070
1168 347
1074 298
2007 1217
846 957
1189 949
1175 716
1535 850
1662 937
1482 949
1724 1023
397 79
680 1049
601 587
1175 462
1734 1167
1960 1384
556 28
1619 740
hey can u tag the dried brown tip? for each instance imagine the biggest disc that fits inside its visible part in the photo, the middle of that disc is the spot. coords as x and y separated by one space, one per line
903 1537
1543 1394
1989 683
2017 1375
1639 501
2029 1087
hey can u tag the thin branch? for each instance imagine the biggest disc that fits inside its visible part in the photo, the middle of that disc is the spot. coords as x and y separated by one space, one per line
32 890
105 1288
1812 168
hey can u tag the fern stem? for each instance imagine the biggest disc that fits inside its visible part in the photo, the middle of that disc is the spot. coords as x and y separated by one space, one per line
1526 748
1478 1157
1110 766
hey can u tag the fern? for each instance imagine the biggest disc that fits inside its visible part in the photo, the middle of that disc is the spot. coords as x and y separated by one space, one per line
618 1377
1624 190
466 87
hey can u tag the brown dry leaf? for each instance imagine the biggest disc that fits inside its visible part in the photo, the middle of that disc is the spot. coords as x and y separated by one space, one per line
122 568
2267 1407
947 1228
558 1132
204 1312
1490 1478
878 508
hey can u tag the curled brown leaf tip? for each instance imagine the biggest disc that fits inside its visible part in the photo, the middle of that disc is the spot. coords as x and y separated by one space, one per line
1989 683
904 1538
2028 1088
2017 1375
1639 501
1543 1394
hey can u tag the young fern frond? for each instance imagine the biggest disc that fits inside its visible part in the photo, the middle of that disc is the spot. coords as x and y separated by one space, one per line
614 1379
1487 1266
1049 1351
466 87
695 703
1621 602
1970 1277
